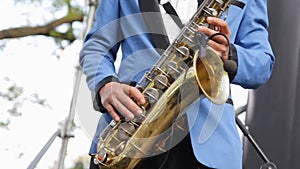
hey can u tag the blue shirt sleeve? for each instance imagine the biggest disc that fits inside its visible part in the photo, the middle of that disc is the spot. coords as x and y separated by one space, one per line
254 53
100 47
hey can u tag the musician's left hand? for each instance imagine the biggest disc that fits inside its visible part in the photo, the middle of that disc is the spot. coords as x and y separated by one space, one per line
219 43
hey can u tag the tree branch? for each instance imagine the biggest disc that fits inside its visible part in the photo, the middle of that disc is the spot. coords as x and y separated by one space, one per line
46 30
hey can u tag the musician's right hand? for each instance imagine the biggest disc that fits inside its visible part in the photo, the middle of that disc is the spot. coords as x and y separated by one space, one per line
122 98
219 43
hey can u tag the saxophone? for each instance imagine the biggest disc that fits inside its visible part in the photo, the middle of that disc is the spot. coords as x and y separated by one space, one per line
188 70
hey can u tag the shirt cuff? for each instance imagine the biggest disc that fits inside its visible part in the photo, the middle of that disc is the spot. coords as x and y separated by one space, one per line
233 57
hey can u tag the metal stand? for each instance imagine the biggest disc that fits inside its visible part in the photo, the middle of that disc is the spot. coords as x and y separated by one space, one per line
43 151
65 132
268 164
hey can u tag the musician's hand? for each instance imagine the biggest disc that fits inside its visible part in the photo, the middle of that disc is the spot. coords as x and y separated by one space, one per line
117 97
219 43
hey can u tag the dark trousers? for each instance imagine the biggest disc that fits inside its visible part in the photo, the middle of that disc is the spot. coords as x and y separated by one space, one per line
179 157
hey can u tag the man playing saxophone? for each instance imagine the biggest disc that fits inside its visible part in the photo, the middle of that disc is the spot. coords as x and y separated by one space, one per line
241 38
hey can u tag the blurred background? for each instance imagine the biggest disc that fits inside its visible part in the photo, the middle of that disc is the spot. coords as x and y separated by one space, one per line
39 44
42 88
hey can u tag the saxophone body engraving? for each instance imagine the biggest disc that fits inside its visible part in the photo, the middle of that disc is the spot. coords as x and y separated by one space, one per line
187 71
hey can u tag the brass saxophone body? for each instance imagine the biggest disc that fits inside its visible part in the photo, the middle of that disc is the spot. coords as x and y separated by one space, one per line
187 71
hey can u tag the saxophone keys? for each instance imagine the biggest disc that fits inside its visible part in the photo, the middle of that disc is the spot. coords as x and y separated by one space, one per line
172 70
183 51
161 82
213 12
126 130
101 156
152 95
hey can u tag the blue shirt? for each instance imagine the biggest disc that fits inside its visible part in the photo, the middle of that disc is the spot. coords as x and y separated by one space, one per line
214 135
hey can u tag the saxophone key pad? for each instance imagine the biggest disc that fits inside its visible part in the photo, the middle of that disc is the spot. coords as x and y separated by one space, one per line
161 82
152 95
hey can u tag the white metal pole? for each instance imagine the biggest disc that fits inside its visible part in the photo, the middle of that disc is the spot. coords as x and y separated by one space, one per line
67 128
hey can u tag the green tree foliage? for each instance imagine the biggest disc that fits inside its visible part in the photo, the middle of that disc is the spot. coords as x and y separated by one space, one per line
73 13
14 95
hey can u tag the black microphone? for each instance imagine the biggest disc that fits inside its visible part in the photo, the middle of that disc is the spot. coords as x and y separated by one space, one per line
230 67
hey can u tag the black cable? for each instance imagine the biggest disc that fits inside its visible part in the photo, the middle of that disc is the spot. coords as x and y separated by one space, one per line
227 39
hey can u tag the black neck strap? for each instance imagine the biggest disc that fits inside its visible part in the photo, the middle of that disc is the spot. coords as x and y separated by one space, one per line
172 12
